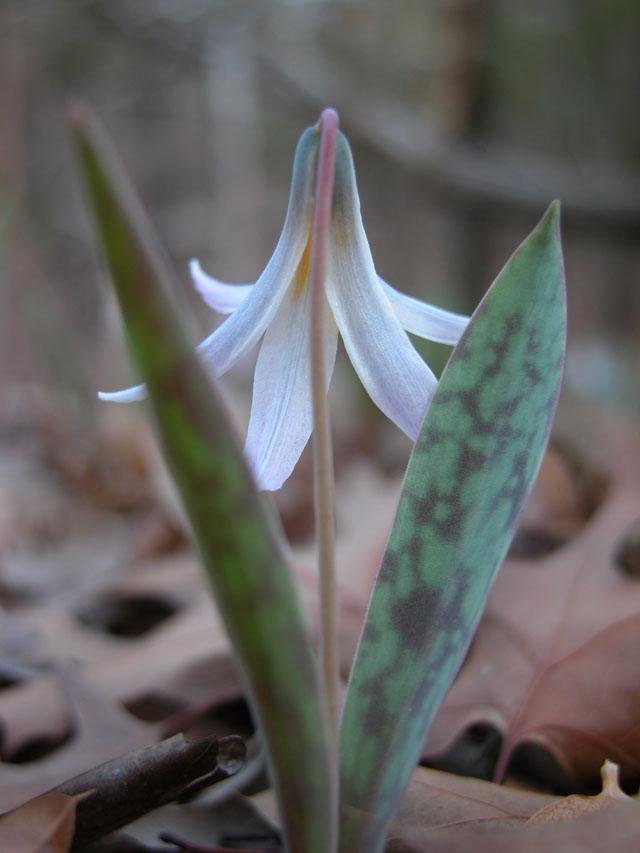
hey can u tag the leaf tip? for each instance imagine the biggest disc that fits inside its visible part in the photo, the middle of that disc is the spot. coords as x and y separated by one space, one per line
81 122
77 114
551 218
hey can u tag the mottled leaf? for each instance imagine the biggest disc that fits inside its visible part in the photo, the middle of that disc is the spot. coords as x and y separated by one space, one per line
473 465
234 531
551 663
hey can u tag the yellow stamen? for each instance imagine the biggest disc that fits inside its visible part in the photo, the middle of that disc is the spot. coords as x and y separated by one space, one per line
301 275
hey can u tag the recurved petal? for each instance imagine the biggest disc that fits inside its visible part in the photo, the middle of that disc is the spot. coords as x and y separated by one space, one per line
424 320
129 395
244 328
222 297
396 378
281 410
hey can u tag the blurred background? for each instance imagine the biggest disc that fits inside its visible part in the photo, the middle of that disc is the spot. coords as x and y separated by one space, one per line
467 117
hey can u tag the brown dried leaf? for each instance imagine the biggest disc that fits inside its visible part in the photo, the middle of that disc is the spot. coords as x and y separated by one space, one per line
442 812
102 731
71 502
442 801
186 658
575 806
556 509
43 825
615 829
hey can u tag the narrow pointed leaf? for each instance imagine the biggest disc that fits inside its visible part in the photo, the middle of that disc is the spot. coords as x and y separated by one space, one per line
232 527
474 463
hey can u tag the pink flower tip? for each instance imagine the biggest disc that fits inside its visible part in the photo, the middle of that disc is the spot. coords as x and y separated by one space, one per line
328 120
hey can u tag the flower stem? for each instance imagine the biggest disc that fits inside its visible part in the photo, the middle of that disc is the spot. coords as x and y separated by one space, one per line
322 450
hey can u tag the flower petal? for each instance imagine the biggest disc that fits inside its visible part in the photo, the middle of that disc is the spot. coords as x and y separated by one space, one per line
130 395
396 378
247 324
281 410
222 297
425 320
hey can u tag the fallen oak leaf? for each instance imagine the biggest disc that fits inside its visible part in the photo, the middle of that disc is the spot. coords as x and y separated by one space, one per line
103 731
42 825
187 657
53 540
628 553
616 830
442 801
443 812
438 801
551 661
559 505
576 806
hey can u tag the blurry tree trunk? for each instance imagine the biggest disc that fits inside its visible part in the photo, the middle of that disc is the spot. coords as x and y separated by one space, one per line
232 100
16 260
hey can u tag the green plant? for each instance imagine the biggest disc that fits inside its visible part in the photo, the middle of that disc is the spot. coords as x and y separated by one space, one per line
477 452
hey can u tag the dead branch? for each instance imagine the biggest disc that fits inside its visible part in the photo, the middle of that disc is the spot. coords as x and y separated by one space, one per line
134 784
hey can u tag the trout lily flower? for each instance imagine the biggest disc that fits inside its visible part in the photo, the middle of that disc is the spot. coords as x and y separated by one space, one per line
372 317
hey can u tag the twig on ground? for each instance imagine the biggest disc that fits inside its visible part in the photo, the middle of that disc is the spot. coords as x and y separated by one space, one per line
134 784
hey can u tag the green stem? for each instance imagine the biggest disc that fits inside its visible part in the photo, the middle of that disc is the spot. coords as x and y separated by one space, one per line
322 450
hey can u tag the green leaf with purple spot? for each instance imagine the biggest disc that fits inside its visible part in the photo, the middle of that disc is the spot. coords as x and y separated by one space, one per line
472 468
232 526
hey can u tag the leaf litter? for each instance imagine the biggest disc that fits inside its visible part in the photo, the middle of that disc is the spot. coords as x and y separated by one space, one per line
551 663
45 824
443 812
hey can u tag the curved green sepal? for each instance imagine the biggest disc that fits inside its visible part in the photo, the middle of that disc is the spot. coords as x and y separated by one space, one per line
473 465
234 531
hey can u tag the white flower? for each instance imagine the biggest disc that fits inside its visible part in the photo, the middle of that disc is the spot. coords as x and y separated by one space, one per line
371 316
